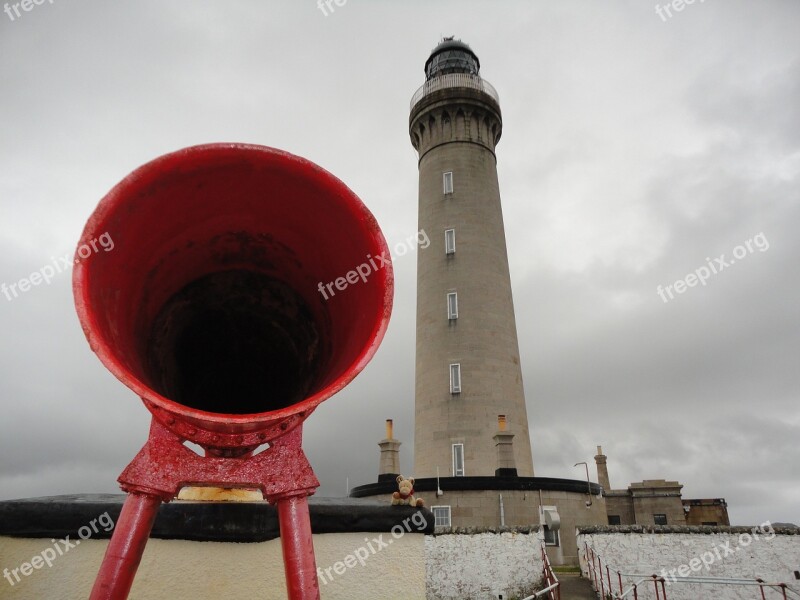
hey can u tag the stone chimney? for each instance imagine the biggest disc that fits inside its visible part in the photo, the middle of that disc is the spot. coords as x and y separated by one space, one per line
602 469
503 441
390 455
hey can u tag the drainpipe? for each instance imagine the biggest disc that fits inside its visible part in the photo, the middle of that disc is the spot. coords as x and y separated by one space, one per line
502 513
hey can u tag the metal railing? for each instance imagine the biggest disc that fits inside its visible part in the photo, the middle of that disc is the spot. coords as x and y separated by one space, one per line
601 581
552 589
454 80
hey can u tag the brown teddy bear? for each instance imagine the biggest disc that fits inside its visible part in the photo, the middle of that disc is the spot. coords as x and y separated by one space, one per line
406 494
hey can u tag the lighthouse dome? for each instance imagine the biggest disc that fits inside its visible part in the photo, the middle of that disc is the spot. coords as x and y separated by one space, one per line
451 56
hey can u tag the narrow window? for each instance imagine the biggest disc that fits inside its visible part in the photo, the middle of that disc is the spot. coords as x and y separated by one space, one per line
448 182
441 516
458 460
550 536
660 519
449 241
455 378
452 305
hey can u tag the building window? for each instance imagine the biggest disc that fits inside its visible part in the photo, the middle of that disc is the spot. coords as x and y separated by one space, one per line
455 378
710 523
452 305
450 241
447 181
614 520
550 536
441 516
660 519
458 460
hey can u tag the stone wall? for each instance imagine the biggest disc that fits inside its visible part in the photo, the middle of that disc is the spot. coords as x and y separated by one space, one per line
483 564
712 511
656 496
772 554
619 503
451 566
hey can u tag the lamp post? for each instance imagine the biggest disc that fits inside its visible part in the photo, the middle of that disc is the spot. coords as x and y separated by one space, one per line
588 483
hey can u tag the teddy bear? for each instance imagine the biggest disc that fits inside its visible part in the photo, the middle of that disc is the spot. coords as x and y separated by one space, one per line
406 494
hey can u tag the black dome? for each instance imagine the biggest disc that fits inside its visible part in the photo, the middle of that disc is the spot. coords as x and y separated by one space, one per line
451 56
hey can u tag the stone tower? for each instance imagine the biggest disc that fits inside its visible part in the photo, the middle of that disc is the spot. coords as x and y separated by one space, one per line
602 469
467 363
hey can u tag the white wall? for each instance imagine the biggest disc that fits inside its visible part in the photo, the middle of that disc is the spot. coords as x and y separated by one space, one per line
772 556
409 567
481 565
178 570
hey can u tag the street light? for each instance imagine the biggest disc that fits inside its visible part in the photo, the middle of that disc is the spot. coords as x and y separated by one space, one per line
588 483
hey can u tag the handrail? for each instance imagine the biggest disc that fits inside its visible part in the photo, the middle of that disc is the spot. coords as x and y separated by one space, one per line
553 590
633 589
454 80
784 588
594 563
541 593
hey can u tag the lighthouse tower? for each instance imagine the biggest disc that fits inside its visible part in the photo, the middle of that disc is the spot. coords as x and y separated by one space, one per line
468 371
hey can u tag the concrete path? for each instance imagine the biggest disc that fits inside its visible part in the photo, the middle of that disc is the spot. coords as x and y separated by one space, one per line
575 587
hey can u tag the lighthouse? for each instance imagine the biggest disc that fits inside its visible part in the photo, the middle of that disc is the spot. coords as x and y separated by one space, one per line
468 370
472 450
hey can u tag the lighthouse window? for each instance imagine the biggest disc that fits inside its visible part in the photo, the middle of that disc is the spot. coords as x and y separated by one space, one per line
458 460
452 305
448 182
455 378
450 241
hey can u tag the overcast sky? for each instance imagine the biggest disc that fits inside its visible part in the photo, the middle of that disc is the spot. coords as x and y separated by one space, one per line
634 148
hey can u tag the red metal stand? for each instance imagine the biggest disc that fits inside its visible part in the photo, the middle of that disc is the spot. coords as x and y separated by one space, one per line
298 549
205 237
124 552
164 466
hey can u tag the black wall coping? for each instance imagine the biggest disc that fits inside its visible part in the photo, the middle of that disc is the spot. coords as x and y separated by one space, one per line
703 529
462 484
60 516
